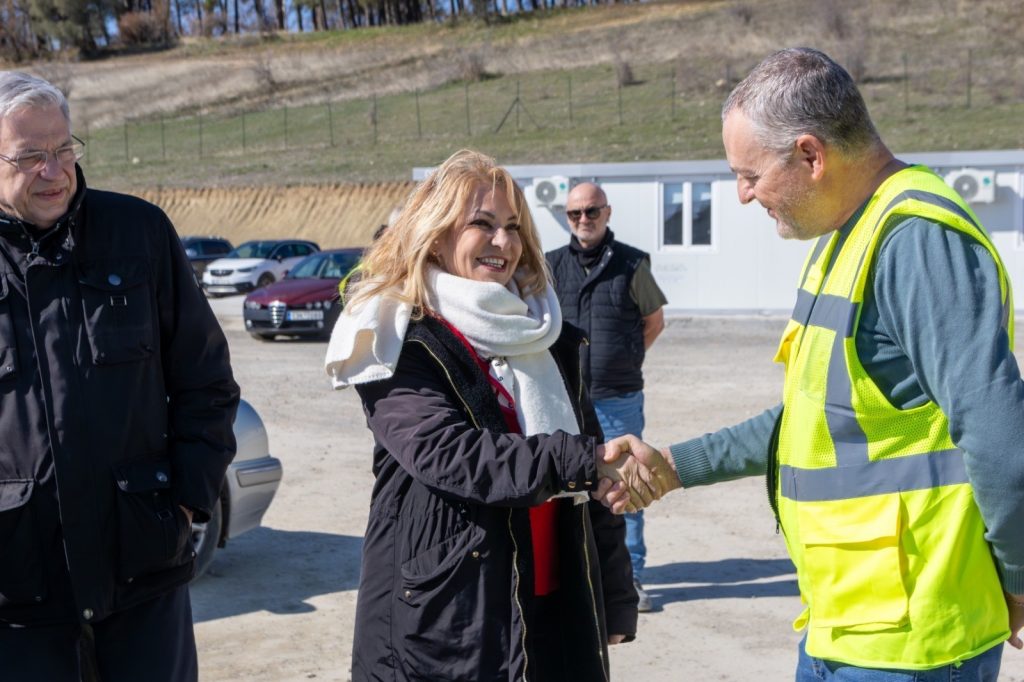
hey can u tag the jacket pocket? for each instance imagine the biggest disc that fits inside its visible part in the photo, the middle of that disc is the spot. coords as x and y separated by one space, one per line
854 562
21 572
442 616
118 310
153 532
8 344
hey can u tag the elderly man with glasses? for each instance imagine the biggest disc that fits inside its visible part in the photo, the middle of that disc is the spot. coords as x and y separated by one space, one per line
116 410
607 289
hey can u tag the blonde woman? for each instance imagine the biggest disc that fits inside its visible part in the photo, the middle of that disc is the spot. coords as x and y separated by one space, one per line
483 557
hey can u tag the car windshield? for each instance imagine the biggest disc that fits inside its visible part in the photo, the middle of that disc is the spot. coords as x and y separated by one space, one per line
253 250
324 266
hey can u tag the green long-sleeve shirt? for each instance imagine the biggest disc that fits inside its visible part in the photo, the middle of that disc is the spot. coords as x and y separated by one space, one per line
931 329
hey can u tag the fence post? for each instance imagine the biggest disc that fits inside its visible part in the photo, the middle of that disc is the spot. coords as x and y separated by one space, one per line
620 104
970 66
672 75
517 106
286 126
127 157
330 120
469 130
374 119
419 124
163 139
200 134
570 101
906 85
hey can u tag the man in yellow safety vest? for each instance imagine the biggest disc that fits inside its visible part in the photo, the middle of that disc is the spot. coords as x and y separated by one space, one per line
895 462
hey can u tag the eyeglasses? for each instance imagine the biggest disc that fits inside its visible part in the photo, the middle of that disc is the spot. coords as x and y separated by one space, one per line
592 213
30 162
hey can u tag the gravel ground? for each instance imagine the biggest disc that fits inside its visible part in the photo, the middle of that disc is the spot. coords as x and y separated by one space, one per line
278 603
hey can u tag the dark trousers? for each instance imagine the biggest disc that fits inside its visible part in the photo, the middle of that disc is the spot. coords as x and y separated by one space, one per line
153 642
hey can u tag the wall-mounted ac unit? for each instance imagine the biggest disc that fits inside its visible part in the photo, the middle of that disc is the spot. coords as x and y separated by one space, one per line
553 191
975 185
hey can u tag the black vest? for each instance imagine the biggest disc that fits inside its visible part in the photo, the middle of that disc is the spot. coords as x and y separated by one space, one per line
599 303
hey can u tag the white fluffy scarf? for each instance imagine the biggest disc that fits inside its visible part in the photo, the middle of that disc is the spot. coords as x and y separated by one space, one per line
513 334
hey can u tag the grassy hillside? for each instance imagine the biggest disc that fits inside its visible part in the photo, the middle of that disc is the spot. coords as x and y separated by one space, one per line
609 83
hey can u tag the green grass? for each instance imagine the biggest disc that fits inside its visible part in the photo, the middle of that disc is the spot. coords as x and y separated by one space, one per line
931 101
346 141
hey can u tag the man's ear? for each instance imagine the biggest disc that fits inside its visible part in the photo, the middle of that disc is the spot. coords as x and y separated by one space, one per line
810 154
609 211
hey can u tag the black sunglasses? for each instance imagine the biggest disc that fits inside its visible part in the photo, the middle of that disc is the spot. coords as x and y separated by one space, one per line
592 212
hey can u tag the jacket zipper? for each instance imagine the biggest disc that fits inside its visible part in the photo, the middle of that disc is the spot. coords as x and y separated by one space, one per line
772 472
515 593
451 382
593 599
515 545
586 546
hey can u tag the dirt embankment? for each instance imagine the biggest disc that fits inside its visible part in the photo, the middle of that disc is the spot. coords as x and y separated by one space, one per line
334 215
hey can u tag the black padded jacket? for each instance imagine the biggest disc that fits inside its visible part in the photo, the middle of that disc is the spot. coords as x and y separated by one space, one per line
116 407
447 572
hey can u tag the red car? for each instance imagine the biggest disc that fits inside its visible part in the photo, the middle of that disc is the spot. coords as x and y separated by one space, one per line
305 302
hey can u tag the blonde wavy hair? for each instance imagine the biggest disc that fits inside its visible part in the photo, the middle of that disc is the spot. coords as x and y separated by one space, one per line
399 260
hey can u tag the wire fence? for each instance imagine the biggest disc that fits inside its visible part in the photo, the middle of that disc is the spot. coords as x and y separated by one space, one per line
591 99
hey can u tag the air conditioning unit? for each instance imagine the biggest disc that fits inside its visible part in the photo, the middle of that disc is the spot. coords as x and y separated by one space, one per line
975 185
553 191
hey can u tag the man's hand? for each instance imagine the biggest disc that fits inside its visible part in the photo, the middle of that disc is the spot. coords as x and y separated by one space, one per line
656 468
1015 604
616 639
188 513
616 465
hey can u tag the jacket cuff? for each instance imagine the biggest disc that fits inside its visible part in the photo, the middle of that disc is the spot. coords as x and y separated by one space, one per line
692 465
1012 577
579 474
621 621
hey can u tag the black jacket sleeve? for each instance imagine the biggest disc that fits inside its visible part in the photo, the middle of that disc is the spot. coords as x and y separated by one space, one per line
419 419
201 391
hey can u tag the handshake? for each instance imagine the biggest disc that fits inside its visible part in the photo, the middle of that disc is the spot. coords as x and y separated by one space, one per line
632 474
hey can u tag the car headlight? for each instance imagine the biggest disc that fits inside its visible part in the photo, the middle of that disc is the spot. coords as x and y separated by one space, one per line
252 305
249 269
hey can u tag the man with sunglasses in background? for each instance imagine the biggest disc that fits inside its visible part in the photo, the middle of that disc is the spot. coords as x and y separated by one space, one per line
116 410
606 288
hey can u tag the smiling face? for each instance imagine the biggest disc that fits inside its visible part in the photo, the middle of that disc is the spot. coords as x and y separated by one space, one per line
43 196
776 183
485 245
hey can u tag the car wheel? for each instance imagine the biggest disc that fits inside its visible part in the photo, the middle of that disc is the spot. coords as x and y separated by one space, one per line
205 537
265 280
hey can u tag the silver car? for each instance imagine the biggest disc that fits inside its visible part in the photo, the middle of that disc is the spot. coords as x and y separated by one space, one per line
249 486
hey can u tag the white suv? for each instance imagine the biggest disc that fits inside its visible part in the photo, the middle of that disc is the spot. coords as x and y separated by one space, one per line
254 264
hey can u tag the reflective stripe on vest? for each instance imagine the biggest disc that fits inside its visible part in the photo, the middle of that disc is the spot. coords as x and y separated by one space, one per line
875 501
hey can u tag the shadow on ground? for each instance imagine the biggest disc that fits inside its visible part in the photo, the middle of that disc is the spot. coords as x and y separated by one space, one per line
276 571
725 579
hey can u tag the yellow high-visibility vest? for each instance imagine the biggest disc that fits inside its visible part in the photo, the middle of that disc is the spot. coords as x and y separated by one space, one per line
877 510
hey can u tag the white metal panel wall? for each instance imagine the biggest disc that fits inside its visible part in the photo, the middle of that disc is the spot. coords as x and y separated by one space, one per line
748 267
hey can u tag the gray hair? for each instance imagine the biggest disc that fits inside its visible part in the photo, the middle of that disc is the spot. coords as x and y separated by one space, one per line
800 91
19 90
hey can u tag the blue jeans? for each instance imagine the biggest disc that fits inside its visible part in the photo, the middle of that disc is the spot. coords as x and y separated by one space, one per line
618 416
982 668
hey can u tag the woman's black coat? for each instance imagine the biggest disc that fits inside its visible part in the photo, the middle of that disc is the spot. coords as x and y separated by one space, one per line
447 573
